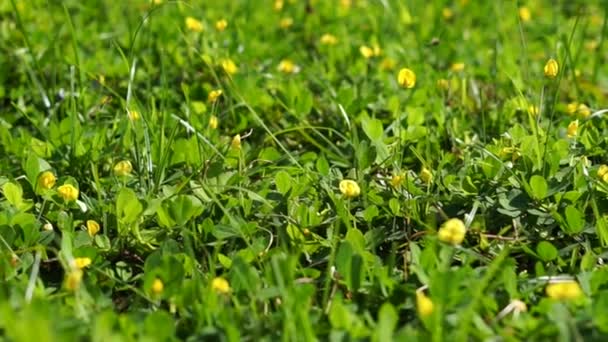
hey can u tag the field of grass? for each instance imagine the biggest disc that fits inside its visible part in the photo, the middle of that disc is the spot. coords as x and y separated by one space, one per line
303 170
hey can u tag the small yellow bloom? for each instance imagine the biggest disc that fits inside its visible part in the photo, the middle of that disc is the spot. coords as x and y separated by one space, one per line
92 227
46 180
213 122
564 290
366 51
157 286
426 175
377 50
133 115
328 39
424 305
346 4
397 180
572 107
236 142
602 172
551 68
583 110
194 24
286 22
221 25
387 64
443 84
533 110
457 67
81 263
73 280
572 130
406 78
229 67
524 14
214 95
220 285
68 192
447 13
123 168
349 188
452 231
278 5
288 66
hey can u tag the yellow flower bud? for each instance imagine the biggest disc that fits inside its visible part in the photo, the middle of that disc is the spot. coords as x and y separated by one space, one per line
602 172
213 122
366 51
68 192
194 24
214 95
328 39
229 67
73 280
286 22
457 67
123 168
406 78
524 14
133 115
583 110
349 188
46 180
452 231
572 107
157 286
551 68
426 175
533 110
397 180
92 227
220 285
564 290
424 305
236 142
572 130
447 13
278 5
287 66
221 25
81 263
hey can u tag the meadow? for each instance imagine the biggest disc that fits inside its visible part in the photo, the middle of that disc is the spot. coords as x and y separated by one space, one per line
290 170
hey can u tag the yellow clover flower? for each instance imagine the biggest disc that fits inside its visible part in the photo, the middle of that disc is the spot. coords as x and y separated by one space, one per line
157 286
366 51
92 227
123 168
452 231
221 25
46 180
73 280
236 142
213 122
565 290
194 25
457 67
406 78
551 68
220 285
349 188
229 67
214 95
426 175
286 22
328 39
397 180
524 14
424 305
68 192
133 115
287 66
602 172
572 130
81 263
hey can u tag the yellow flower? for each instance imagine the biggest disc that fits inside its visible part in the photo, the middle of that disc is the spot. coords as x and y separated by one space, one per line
524 14
452 231
68 192
426 175
572 107
194 24
406 78
377 51
346 4
328 39
457 67
236 142
81 263
157 286
533 110
123 168
214 95
213 122
572 130
287 66
424 305
602 172
92 227
564 290
221 25
387 64
46 180
229 67
366 51
73 280
349 188
443 84
220 285
278 5
583 110
397 180
551 68
447 13
286 22
133 115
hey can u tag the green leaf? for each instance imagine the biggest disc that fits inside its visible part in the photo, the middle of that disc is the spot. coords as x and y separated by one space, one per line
539 187
372 128
283 181
546 251
13 194
128 207
575 220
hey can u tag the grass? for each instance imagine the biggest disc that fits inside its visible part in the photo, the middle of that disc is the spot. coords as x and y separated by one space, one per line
168 176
